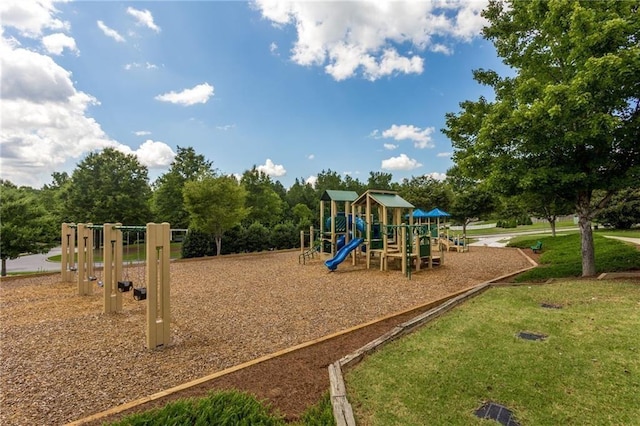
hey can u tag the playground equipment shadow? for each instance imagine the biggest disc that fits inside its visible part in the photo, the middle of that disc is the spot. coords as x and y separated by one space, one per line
64 360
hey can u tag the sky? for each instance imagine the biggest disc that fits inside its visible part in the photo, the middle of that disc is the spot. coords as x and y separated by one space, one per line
293 88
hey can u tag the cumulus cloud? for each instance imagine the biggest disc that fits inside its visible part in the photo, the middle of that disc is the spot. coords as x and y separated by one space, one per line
146 65
144 18
373 39
199 94
402 162
56 43
30 18
437 176
142 133
390 146
311 180
273 48
271 169
151 154
110 32
421 137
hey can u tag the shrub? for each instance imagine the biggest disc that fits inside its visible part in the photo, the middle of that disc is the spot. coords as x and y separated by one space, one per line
257 238
198 244
284 236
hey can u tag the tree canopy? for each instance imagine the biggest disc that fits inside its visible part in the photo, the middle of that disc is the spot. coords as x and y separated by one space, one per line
568 121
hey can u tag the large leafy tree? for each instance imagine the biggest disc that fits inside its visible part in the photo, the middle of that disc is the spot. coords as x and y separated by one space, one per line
570 111
380 180
426 193
624 209
263 199
472 200
168 201
109 186
25 224
215 205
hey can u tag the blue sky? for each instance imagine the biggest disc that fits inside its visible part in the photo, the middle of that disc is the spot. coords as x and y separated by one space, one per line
292 88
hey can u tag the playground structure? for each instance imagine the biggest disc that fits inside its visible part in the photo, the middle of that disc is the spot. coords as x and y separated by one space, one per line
371 225
157 279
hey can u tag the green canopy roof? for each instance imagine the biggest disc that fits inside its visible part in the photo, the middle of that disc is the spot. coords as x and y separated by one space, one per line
335 195
385 198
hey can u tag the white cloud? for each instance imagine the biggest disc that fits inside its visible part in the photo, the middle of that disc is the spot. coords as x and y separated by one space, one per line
373 39
152 154
311 156
421 137
142 133
390 146
311 180
437 176
147 65
273 48
30 18
199 94
110 32
401 162
444 154
226 127
56 43
271 169
144 18
375 134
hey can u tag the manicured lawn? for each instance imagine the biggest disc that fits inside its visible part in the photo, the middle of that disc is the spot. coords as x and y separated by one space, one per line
542 226
586 372
561 256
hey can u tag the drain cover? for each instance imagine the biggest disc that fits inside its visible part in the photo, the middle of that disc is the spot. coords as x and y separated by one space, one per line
496 412
531 336
551 306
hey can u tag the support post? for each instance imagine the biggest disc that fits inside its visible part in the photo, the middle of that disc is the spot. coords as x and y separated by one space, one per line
112 267
85 259
68 240
158 285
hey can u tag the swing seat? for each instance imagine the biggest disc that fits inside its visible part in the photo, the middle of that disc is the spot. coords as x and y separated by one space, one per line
124 286
92 278
140 293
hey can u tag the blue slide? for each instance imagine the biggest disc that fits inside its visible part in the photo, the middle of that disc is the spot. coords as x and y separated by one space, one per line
360 226
341 255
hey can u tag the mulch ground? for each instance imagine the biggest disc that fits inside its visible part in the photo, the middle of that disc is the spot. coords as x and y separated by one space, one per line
64 360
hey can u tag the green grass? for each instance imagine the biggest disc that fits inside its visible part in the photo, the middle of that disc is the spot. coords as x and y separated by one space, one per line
130 253
561 256
542 226
224 408
587 372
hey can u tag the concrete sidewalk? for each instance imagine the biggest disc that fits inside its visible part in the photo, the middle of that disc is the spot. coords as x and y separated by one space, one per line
34 262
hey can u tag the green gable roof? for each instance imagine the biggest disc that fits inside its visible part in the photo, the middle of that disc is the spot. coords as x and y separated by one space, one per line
392 200
384 198
335 195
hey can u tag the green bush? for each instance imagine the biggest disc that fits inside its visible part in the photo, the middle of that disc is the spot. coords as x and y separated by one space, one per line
285 236
198 244
225 408
234 240
257 238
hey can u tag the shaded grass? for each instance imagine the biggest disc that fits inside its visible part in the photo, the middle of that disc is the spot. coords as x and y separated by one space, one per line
587 372
561 256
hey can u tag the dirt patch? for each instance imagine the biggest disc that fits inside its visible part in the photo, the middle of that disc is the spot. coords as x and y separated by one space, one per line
64 360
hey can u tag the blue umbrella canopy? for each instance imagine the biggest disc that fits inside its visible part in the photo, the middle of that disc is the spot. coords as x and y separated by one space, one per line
418 214
436 213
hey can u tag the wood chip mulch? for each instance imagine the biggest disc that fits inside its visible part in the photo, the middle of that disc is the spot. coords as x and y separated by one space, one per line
63 359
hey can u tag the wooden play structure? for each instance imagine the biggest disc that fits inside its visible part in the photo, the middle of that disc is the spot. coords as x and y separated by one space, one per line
157 278
335 226
388 237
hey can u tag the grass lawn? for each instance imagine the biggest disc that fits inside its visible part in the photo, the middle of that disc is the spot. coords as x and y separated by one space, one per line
542 226
130 253
561 256
586 372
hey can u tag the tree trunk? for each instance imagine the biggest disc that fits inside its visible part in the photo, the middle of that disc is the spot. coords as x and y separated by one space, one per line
586 234
4 267
552 222
218 245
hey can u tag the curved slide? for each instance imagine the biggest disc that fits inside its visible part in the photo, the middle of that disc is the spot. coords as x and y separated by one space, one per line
342 254
360 226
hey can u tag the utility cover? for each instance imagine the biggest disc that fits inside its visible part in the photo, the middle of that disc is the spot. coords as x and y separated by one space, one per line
497 412
531 336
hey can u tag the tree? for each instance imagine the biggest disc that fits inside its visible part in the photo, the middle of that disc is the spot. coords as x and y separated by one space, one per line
215 205
380 180
572 110
426 193
109 187
265 204
25 225
471 199
623 211
328 180
168 201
